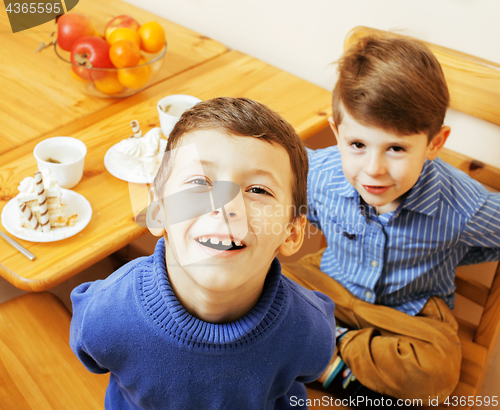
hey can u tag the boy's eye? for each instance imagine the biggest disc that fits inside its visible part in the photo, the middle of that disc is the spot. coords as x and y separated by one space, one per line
199 181
358 145
397 149
258 190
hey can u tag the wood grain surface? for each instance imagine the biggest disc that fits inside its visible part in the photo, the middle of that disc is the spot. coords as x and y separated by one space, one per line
38 370
113 224
38 92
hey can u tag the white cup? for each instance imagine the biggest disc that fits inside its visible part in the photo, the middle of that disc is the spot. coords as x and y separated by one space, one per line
170 109
69 154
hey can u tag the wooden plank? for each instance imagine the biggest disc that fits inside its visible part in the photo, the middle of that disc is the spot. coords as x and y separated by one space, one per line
112 225
38 370
489 328
471 289
466 330
474 83
484 173
473 361
38 92
236 74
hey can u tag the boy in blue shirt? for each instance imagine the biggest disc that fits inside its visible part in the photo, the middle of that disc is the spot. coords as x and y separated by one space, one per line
397 220
208 321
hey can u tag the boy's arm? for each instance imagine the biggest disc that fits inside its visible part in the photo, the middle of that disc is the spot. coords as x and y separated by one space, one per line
321 349
478 255
81 297
482 232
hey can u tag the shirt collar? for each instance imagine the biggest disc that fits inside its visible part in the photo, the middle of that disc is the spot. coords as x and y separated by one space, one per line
424 196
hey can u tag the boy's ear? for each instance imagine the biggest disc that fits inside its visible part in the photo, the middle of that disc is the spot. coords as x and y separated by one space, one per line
295 237
437 143
154 217
333 127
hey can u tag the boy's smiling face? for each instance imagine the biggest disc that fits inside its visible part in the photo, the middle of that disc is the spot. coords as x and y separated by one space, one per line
383 166
255 223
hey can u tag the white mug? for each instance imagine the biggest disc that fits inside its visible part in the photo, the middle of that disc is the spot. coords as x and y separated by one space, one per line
170 109
65 156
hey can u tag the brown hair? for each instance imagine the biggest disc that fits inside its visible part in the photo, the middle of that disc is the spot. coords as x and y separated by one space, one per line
243 117
393 83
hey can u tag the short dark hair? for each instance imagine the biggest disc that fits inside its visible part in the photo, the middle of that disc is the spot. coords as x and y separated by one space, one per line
394 83
243 117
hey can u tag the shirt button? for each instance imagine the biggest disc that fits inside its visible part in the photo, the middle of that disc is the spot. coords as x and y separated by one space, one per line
368 294
374 263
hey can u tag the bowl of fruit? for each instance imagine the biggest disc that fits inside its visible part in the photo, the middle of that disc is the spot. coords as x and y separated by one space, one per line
119 62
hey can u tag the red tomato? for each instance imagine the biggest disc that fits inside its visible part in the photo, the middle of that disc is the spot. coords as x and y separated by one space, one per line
90 52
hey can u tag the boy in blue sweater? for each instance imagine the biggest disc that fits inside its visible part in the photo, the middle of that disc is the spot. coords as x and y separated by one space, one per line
208 321
397 220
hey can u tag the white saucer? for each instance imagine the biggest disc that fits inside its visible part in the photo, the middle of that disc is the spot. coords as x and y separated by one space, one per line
129 169
75 204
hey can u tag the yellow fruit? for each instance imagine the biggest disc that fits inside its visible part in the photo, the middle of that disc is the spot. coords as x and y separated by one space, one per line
123 33
109 84
144 60
135 77
152 37
77 77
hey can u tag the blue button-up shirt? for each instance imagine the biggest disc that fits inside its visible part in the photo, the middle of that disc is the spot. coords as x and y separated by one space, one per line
402 258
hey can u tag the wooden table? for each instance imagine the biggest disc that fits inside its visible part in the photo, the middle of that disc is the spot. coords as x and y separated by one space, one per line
38 93
113 225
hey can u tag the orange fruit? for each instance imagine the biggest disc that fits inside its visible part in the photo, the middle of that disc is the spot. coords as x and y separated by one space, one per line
109 84
123 33
144 60
124 53
152 37
134 77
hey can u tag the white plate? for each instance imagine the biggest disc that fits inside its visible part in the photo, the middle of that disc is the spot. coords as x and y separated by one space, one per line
75 204
129 169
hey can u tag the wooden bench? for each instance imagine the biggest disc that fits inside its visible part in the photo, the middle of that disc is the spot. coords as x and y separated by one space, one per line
474 86
38 370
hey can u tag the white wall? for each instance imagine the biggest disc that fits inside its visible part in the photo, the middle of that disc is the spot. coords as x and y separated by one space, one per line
305 37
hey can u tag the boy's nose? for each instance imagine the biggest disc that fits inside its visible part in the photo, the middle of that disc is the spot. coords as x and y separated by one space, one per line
233 210
232 216
375 165
226 198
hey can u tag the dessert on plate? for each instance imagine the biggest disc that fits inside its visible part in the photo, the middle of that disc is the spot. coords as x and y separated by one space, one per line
41 206
141 155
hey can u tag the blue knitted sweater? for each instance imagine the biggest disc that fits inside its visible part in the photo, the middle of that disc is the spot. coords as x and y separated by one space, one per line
161 357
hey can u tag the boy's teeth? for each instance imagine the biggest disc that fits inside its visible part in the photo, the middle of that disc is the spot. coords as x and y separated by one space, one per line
216 241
